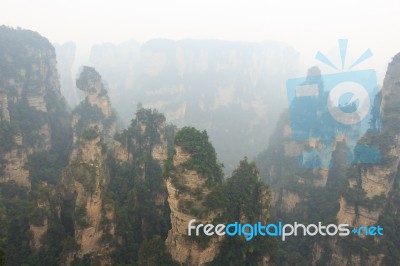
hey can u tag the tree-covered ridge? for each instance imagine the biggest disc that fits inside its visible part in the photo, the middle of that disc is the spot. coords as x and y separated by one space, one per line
138 194
88 74
17 48
90 82
203 156
94 116
243 197
88 115
247 193
144 132
12 39
20 210
246 199
148 124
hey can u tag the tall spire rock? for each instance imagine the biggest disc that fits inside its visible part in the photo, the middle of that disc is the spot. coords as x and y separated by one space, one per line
35 142
196 190
188 187
91 84
94 114
32 110
85 179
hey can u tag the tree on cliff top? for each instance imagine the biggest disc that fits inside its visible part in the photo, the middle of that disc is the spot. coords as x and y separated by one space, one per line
204 157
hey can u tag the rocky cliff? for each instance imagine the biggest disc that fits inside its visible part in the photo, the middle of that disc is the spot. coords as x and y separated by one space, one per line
67 196
187 190
29 95
86 178
35 136
75 190
359 194
196 191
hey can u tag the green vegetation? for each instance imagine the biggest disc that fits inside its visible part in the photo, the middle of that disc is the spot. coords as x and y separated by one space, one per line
152 252
80 216
45 136
90 134
2 257
13 44
87 76
245 193
135 187
47 165
317 203
88 114
27 121
203 156
6 141
85 261
245 198
321 203
136 190
7 133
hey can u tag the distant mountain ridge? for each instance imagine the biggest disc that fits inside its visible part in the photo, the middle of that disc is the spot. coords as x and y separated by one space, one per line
234 90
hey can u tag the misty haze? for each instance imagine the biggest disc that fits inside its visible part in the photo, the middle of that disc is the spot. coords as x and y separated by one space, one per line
199 133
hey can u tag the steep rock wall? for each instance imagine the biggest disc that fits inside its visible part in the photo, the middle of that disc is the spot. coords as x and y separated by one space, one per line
185 207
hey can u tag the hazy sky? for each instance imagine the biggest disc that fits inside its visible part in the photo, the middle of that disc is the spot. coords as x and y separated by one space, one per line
308 25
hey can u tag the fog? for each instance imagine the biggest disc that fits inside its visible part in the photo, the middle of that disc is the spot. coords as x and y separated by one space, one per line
307 25
261 115
263 42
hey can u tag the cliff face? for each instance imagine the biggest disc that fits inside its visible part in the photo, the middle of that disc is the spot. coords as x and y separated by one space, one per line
85 181
187 190
86 178
375 185
35 139
29 89
196 191
358 195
